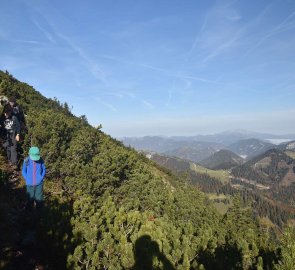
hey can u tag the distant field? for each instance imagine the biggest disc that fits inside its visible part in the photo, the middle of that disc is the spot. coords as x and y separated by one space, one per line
290 154
213 196
266 222
222 175
221 207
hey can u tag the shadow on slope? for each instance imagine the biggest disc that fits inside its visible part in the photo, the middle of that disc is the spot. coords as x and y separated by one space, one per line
32 239
146 250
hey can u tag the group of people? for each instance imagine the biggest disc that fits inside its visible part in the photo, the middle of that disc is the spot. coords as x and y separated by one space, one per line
12 123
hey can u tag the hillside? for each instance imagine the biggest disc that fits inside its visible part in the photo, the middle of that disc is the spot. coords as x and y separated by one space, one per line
181 165
108 207
220 187
192 152
223 159
250 148
171 163
289 146
272 168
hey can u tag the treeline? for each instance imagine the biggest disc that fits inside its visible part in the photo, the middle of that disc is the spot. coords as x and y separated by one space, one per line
114 209
262 207
284 194
208 184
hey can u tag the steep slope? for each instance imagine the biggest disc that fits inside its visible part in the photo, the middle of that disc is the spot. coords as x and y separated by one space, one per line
250 148
180 165
171 163
269 168
223 159
289 146
108 207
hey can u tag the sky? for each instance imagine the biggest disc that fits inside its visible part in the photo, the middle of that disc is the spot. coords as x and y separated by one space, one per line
158 67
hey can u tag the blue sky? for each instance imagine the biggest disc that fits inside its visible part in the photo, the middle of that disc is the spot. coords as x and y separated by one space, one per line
158 67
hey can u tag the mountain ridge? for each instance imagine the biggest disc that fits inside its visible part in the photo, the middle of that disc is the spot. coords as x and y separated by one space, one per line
250 148
222 159
226 137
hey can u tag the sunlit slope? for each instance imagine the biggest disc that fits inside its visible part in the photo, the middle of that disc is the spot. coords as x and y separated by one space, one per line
111 203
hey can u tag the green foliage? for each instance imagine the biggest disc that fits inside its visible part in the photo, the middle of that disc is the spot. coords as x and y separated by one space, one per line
287 249
125 212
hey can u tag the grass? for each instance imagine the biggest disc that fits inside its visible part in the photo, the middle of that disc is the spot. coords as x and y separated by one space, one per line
213 196
266 222
221 175
221 207
290 154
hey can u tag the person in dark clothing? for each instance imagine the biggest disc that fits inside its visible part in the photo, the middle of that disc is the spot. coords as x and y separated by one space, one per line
18 112
33 171
11 129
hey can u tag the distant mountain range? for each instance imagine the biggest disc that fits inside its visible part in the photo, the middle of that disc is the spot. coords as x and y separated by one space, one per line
226 138
197 148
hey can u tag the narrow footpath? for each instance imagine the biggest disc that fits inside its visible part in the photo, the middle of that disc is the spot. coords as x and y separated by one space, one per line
19 229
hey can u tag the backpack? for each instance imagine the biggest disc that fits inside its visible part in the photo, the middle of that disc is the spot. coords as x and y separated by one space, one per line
3 101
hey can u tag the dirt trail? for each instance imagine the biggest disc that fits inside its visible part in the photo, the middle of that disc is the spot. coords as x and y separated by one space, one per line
19 248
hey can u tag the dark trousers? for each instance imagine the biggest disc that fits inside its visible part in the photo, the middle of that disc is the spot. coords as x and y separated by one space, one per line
35 194
11 148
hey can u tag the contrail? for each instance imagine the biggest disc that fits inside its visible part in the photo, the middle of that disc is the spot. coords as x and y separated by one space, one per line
45 32
275 30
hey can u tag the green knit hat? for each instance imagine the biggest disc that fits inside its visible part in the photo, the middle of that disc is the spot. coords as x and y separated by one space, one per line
34 153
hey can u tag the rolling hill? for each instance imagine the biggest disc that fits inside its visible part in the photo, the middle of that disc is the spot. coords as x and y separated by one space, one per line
195 151
250 148
222 160
273 167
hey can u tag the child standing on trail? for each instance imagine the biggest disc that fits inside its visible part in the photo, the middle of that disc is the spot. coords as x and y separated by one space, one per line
34 172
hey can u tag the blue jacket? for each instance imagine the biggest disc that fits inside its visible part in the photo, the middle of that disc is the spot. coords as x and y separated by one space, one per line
33 171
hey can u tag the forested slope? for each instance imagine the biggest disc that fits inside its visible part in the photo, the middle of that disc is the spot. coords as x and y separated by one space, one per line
107 207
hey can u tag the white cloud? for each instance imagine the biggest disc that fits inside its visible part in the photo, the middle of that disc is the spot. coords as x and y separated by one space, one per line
149 105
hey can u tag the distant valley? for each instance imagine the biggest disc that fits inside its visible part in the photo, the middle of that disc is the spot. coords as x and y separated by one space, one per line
258 170
267 180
